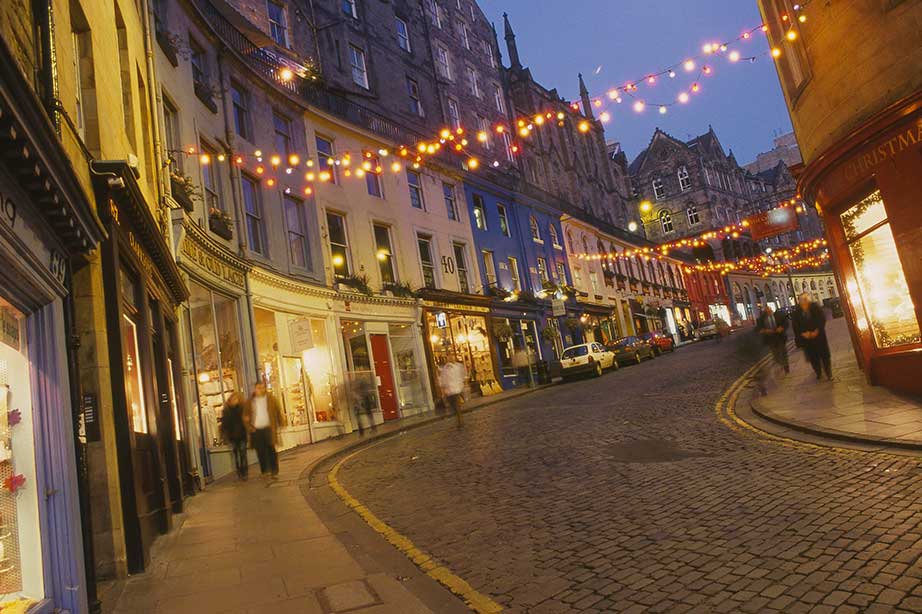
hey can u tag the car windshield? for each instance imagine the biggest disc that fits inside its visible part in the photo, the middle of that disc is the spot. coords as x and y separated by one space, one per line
579 350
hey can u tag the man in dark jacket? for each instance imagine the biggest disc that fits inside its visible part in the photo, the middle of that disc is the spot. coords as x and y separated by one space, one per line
234 428
810 328
773 329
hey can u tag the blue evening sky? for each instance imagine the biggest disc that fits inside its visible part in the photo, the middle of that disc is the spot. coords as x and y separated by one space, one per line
631 38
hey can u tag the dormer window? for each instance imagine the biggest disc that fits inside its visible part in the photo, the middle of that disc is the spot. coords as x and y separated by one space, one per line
659 190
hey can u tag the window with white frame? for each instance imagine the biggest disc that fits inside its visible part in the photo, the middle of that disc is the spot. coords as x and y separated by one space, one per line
350 9
240 98
339 245
693 217
384 254
514 273
252 207
171 133
454 114
282 128
372 168
659 190
297 232
480 212
489 267
325 155
507 145
503 221
665 219
403 34
473 81
498 100
541 267
210 183
464 35
415 187
278 23
426 260
535 229
684 179
416 104
483 128
443 61
359 70
464 283
552 233
451 206
488 51
562 273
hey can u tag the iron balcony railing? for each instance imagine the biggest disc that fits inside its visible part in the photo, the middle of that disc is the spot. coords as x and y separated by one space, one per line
271 66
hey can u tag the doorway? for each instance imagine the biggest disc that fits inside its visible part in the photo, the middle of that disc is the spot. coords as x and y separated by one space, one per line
381 355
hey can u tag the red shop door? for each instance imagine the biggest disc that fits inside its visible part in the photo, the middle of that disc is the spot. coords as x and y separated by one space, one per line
382 357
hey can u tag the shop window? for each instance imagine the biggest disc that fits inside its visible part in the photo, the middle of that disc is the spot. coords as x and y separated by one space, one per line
881 297
407 365
134 386
339 245
215 334
384 253
361 390
426 260
464 338
464 284
20 545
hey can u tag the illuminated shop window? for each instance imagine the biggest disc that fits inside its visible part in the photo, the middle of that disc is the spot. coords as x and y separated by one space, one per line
881 297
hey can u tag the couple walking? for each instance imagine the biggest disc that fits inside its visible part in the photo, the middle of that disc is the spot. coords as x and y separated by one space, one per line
810 334
257 419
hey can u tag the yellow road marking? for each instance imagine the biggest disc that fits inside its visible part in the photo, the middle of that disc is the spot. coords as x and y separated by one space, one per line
476 600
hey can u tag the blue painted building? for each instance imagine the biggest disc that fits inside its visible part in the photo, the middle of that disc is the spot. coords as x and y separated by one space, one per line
519 246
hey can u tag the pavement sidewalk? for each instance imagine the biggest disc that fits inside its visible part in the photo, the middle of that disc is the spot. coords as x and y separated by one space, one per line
258 546
846 408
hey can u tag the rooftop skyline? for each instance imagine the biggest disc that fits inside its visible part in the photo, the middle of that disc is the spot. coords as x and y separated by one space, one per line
743 101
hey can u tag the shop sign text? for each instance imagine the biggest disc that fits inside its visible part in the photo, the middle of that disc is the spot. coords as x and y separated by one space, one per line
197 254
883 152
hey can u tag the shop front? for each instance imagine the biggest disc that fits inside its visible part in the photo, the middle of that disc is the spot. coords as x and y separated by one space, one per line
144 289
216 341
867 189
46 226
519 354
458 327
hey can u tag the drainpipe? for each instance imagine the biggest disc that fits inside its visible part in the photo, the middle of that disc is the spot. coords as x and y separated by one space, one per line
155 102
47 72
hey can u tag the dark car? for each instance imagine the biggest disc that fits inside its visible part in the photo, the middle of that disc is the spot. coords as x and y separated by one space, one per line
659 342
630 350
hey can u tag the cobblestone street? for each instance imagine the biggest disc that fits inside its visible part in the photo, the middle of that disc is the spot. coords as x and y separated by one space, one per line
627 494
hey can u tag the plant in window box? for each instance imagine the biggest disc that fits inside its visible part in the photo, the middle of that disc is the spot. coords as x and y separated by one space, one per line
526 296
359 283
574 325
498 292
502 331
184 190
400 290
220 223
550 334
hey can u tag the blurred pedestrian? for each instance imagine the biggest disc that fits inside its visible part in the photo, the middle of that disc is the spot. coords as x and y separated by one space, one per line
810 328
772 327
265 418
234 428
452 378
362 392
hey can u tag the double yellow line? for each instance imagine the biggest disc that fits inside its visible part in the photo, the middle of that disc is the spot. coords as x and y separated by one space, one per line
476 600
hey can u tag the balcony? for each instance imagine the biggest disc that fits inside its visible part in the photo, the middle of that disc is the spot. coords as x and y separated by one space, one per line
274 68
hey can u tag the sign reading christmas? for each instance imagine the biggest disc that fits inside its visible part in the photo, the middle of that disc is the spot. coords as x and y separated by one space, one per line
773 222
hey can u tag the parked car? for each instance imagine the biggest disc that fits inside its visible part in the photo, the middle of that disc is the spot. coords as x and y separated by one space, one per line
585 358
659 342
628 350
707 330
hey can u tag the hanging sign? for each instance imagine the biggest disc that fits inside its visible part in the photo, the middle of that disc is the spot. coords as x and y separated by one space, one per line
302 337
90 415
775 222
441 319
558 308
9 329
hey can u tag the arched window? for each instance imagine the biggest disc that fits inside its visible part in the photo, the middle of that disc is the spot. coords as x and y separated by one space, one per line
693 217
585 246
666 220
570 242
535 230
602 254
552 233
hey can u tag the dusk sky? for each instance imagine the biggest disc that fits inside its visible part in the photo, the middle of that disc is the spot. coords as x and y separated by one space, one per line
632 38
